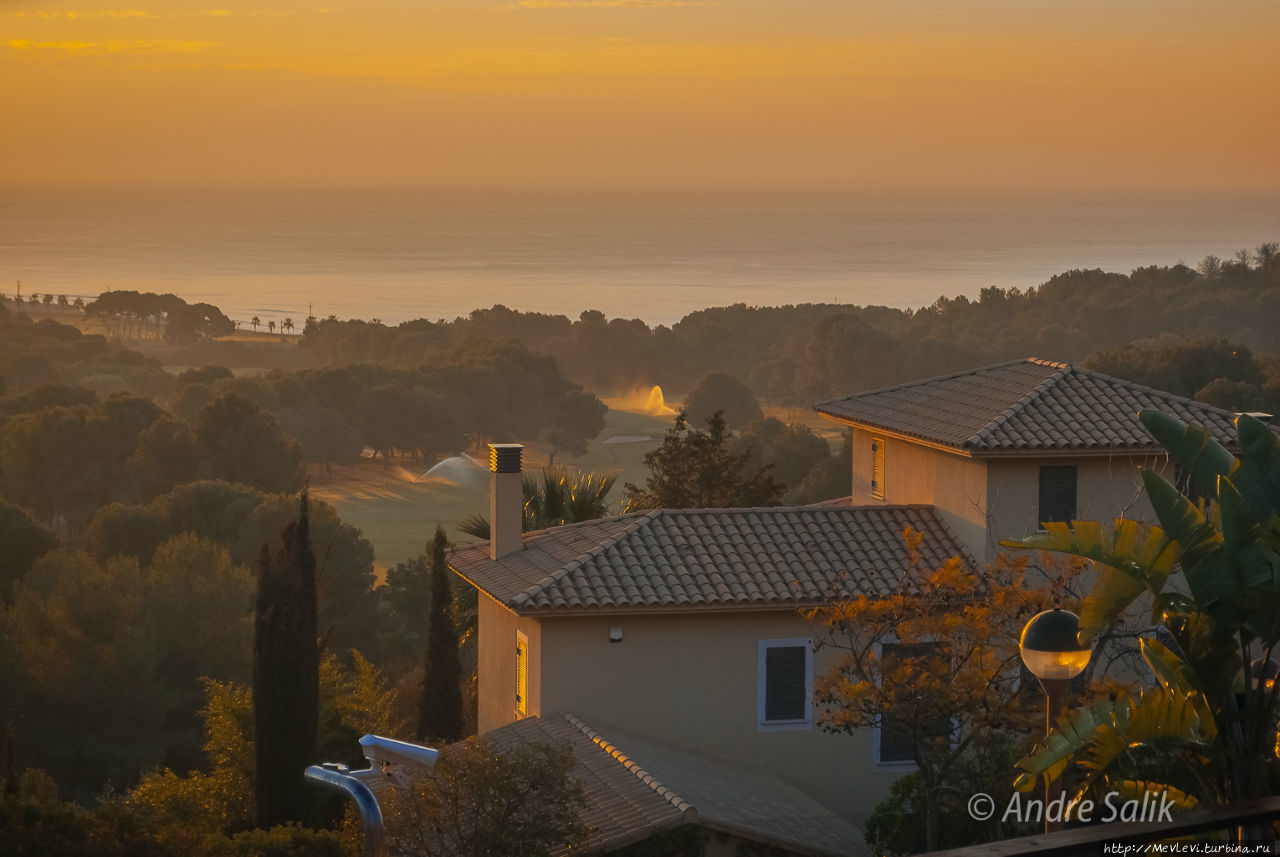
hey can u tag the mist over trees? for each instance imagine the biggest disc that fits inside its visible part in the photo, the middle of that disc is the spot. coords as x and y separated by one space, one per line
801 354
134 501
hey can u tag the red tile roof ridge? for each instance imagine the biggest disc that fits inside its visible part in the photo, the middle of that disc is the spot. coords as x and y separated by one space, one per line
1064 369
641 774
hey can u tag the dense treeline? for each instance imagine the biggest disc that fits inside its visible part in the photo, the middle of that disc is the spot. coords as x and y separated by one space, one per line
1215 371
133 502
801 354
140 315
482 390
35 354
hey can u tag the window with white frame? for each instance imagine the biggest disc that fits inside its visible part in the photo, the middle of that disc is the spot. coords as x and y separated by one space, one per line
877 467
522 674
785 695
895 740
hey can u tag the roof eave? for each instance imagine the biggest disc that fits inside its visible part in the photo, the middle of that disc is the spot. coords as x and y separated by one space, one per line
664 610
480 588
1030 452
899 435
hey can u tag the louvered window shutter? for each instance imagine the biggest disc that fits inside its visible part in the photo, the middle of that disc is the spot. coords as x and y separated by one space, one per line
784 690
522 674
1057 493
877 467
896 743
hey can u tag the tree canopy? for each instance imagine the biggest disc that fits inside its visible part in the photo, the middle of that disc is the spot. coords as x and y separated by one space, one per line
934 664
696 469
723 393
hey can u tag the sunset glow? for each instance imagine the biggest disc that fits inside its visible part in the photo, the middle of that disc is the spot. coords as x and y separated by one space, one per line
625 92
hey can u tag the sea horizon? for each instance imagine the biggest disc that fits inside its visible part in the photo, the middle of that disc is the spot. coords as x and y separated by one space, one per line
654 254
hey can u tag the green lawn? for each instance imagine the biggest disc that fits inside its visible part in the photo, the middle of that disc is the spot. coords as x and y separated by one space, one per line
397 509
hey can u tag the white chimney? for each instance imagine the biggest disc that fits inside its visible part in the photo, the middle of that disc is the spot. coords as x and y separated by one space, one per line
506 499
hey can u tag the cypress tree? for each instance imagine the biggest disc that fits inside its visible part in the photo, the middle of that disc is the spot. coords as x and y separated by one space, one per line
440 715
286 675
11 784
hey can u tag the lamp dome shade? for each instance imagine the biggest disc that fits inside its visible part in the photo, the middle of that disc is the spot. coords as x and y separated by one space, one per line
1050 645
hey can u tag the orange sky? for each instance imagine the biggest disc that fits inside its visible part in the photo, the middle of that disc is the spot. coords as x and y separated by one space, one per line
1014 94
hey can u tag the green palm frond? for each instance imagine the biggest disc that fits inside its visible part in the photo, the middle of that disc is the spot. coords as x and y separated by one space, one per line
1131 558
474 525
555 496
1096 736
1192 447
1258 477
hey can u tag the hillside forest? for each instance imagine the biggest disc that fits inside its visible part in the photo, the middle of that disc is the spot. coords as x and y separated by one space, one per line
148 452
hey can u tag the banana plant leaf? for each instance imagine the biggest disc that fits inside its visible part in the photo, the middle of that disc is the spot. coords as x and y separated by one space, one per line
1131 560
1192 447
1072 733
1097 735
1258 479
1213 655
1180 519
1134 790
1256 562
1169 669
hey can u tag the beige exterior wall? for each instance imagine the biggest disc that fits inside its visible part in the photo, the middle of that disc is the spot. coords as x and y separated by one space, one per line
496 664
1106 488
954 484
984 500
692 680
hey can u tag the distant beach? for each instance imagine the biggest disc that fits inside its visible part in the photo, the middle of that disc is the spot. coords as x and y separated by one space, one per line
403 254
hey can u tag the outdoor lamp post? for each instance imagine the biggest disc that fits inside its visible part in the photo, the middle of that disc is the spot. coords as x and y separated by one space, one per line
1050 647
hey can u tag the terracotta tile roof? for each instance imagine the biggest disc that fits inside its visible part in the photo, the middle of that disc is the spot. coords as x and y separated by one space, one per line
689 559
620 807
1025 405
637 786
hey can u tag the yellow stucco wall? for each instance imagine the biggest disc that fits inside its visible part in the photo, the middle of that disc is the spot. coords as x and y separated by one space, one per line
984 500
496 666
955 485
692 680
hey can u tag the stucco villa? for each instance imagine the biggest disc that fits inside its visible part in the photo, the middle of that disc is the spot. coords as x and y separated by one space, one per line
998 450
667 647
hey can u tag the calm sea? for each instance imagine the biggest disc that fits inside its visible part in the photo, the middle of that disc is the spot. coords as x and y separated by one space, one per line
401 254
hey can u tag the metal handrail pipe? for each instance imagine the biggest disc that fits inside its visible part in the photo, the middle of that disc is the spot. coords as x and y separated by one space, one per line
375 835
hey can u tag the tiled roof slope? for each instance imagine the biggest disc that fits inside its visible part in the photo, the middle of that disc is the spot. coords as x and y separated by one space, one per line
709 558
620 806
636 786
1025 405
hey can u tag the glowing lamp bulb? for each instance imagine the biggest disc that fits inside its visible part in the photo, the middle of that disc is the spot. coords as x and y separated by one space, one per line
1050 645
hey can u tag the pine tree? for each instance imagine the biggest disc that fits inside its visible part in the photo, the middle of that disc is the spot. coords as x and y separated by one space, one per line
286 682
440 715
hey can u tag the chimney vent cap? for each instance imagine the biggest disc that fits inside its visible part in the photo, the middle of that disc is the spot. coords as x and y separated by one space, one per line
505 457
